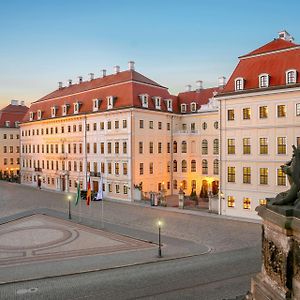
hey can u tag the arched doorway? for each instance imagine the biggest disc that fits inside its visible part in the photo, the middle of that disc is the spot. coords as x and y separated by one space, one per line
204 190
215 187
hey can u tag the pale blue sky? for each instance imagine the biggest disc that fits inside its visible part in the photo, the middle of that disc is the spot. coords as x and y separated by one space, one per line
172 42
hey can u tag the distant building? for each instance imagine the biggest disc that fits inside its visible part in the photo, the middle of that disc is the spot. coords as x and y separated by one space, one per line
260 121
10 118
128 128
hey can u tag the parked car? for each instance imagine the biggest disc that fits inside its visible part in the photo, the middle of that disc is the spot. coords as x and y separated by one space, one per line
83 195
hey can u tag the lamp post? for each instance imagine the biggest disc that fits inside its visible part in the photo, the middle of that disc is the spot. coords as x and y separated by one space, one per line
69 201
159 223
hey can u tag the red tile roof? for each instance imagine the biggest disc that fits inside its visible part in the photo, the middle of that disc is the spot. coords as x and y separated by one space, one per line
273 63
12 113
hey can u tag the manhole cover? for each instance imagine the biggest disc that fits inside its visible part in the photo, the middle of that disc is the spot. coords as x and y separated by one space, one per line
26 291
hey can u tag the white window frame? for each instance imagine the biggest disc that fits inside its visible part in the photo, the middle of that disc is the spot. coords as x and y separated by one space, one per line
267 81
286 76
31 116
297 109
96 104
286 145
64 109
157 102
144 100
53 111
169 104
7 123
76 107
39 114
286 111
241 79
110 102
193 106
183 108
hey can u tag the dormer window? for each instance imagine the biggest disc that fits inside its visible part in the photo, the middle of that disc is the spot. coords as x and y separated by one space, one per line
31 116
169 105
65 108
17 124
144 100
96 104
263 80
157 101
183 108
7 123
76 107
53 111
239 84
193 107
110 102
290 76
39 114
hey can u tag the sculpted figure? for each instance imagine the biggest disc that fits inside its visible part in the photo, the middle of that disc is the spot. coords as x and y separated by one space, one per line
292 169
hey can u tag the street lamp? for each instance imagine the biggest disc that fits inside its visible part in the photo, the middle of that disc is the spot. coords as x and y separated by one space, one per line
159 224
69 201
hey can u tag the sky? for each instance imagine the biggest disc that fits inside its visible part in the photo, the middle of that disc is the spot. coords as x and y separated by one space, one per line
172 42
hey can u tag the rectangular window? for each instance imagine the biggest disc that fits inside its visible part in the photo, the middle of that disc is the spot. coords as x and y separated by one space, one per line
109 168
109 125
141 123
95 148
95 126
231 174
246 113
87 148
125 189
297 109
263 146
168 147
281 145
141 168
263 112
246 175
124 147
168 126
298 141
151 168
117 168
159 125
150 124
101 125
102 167
117 147
124 123
230 114
247 203
231 146
151 147
230 201
109 188
125 169
109 147
117 188
246 146
263 176
102 147
159 147
141 147
281 177
117 125
281 111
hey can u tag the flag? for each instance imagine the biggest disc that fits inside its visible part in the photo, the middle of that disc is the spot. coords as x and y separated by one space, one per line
88 193
100 190
78 196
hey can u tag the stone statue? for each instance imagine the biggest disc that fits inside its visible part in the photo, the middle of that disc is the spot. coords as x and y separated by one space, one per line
290 197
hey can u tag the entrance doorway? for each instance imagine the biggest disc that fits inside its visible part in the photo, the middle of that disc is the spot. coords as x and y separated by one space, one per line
63 183
215 187
95 186
204 189
39 181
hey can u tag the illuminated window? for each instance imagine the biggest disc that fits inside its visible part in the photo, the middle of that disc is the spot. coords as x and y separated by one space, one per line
263 175
281 145
193 184
204 166
246 175
231 174
247 203
183 166
263 201
246 146
231 146
193 166
281 111
263 112
246 113
204 147
281 177
175 184
230 114
263 146
184 184
230 201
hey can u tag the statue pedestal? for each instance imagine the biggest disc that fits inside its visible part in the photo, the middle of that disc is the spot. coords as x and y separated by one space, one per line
280 274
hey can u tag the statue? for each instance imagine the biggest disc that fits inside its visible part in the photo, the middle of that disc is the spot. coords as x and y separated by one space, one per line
290 197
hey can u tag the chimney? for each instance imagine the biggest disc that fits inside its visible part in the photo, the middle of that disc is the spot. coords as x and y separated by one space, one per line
91 76
22 103
131 65
103 72
221 81
116 69
60 85
79 79
14 102
199 84
284 35
188 88
70 82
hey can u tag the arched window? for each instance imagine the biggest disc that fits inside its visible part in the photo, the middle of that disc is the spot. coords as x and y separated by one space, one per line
183 166
204 166
204 125
175 165
175 184
291 76
216 166
174 147
183 147
193 166
216 146
204 147
263 80
239 84
184 184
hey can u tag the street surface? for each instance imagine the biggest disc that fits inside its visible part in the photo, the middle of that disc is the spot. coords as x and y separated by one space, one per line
224 272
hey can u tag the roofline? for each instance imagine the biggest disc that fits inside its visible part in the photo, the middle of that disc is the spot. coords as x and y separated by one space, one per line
98 88
269 52
259 91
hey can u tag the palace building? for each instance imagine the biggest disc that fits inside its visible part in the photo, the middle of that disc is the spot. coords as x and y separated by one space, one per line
10 119
126 128
131 131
